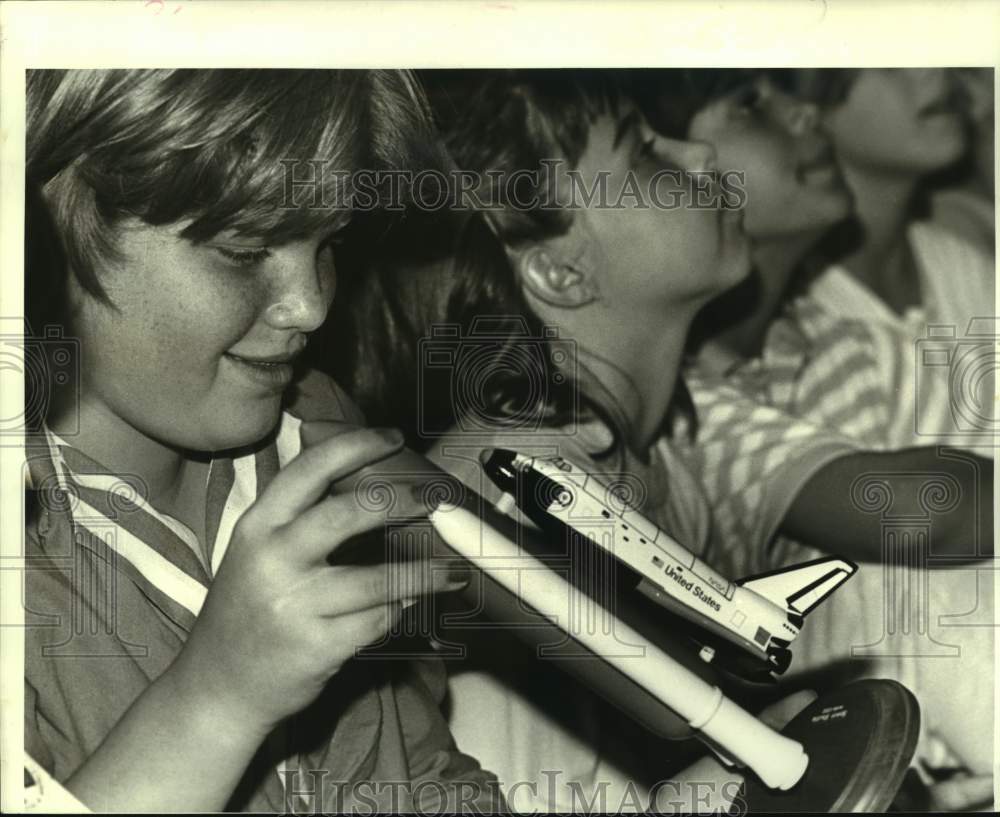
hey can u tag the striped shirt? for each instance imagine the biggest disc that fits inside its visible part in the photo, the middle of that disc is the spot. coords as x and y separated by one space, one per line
752 458
956 285
113 587
821 376
936 362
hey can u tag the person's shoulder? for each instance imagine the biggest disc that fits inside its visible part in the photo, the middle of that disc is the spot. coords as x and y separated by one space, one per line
840 293
721 398
749 411
316 396
966 215
934 241
824 329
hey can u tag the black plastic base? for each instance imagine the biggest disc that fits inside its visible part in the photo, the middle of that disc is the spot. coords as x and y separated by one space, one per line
860 740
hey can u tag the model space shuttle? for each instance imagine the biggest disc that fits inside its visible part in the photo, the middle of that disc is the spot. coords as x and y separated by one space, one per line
759 615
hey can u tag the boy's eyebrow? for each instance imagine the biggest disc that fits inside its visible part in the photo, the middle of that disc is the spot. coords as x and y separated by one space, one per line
629 122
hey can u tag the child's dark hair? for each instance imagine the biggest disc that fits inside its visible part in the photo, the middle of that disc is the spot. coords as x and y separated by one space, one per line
458 272
826 87
670 97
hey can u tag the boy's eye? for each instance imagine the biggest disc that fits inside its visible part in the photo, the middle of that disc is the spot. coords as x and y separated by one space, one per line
244 258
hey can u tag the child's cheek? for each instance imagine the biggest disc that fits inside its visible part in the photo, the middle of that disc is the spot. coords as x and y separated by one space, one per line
225 310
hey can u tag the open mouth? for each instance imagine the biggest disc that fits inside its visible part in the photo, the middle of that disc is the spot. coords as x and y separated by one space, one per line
819 171
819 174
818 168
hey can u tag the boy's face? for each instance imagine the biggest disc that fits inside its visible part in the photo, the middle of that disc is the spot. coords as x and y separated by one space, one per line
649 259
904 120
195 351
793 184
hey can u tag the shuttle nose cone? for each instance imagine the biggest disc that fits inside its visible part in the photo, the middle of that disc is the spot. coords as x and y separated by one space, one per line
498 463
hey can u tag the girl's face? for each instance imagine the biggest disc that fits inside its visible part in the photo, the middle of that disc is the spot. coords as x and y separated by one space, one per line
792 181
196 351
670 251
904 120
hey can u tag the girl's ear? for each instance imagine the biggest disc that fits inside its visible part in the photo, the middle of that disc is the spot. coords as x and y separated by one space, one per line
554 281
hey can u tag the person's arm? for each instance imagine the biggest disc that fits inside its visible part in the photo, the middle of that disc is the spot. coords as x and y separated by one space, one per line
834 512
177 748
277 624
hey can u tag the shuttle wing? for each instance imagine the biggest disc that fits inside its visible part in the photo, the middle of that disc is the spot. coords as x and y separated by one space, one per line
801 587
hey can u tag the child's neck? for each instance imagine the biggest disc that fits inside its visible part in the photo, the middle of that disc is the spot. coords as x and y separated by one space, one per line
632 368
172 481
883 262
775 261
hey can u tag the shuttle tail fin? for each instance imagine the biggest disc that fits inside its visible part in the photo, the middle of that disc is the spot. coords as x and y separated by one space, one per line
802 587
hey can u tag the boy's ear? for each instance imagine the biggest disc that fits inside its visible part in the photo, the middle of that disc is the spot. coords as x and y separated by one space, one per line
554 281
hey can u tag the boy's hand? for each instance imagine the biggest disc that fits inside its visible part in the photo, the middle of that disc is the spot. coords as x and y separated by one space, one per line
279 621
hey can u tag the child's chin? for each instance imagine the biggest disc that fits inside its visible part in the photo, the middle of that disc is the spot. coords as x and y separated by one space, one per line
244 430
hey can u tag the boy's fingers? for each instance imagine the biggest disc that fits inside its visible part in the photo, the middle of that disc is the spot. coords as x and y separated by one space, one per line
313 432
323 528
352 589
362 628
306 478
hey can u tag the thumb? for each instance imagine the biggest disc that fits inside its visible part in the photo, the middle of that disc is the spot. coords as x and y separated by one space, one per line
314 432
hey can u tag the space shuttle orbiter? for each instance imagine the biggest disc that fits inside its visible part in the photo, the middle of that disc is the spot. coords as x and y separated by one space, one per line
761 615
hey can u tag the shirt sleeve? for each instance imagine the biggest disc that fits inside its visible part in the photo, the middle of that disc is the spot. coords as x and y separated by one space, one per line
847 375
444 779
752 460
52 729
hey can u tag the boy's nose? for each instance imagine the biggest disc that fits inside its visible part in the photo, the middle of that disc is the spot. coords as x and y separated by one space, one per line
301 300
